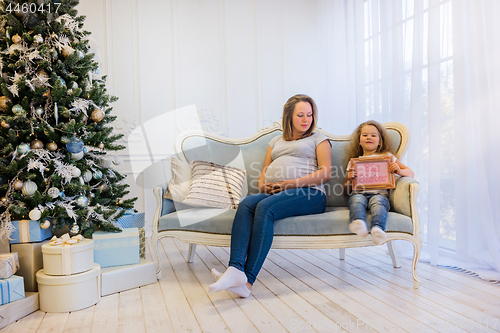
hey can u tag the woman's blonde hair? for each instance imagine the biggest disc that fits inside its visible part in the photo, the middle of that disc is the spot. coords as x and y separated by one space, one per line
355 150
288 109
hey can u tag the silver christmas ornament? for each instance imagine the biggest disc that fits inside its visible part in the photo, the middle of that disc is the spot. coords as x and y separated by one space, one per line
39 111
29 187
105 162
74 230
82 201
18 110
38 39
35 214
45 224
117 160
77 156
53 192
75 172
87 176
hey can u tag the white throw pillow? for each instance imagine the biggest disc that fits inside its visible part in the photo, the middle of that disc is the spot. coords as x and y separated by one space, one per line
214 185
178 186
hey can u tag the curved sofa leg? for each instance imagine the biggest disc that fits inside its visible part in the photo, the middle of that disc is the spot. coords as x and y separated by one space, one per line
156 244
417 246
393 254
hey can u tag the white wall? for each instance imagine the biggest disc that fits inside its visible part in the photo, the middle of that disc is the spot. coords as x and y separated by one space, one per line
238 61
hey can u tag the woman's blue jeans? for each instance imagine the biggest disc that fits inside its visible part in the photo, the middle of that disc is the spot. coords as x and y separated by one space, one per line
378 204
253 225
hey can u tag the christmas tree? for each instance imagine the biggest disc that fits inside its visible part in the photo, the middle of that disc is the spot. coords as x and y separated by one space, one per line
56 123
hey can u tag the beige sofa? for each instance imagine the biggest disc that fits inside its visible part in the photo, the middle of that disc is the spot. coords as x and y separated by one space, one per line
209 226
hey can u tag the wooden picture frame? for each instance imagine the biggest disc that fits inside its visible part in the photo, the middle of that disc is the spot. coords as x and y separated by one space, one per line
372 173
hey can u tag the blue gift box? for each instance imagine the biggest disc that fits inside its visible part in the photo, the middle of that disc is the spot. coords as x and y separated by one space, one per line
29 231
131 220
116 248
11 289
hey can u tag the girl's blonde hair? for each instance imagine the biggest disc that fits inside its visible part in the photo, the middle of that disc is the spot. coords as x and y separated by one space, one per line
354 150
288 109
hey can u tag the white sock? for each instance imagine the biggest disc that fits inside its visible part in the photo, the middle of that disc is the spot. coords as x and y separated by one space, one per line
378 235
241 291
232 277
359 228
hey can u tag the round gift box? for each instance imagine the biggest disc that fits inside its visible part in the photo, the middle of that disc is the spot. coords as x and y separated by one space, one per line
68 259
69 293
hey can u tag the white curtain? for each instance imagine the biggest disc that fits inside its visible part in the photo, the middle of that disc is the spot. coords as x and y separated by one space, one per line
434 66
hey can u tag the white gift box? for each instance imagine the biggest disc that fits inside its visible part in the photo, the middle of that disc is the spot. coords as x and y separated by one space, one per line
69 293
68 259
16 310
120 278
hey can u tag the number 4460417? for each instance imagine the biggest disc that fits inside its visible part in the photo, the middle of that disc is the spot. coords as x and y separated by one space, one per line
26 8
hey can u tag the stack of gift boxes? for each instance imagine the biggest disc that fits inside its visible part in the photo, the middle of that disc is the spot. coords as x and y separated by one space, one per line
70 275
18 264
69 280
122 255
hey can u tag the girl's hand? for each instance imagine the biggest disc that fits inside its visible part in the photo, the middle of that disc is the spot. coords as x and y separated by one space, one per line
394 168
351 174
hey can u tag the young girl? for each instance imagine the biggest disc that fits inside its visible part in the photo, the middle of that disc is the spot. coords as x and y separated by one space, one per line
370 139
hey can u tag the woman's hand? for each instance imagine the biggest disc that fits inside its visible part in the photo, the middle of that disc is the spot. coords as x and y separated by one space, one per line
273 188
395 168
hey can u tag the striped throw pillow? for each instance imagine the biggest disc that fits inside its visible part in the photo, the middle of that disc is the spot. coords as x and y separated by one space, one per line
214 185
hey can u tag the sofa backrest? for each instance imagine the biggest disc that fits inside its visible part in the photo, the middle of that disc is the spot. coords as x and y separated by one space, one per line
248 153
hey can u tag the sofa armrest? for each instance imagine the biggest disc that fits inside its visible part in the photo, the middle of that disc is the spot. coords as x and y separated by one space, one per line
163 206
401 197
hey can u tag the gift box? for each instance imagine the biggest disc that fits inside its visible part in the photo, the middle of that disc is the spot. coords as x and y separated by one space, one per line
68 293
16 310
116 248
131 220
29 231
30 262
11 289
120 278
142 243
9 264
68 259
4 245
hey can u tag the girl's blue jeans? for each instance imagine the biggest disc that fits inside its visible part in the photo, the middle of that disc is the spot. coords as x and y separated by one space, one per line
253 225
378 204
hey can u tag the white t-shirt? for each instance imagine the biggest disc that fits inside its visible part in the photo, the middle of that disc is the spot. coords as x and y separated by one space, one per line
386 192
294 159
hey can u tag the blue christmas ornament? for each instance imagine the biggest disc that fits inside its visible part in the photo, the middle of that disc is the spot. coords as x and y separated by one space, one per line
82 201
23 148
63 82
61 194
97 174
75 145
85 150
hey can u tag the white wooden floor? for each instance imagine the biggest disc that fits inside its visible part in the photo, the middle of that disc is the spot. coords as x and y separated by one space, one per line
297 291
